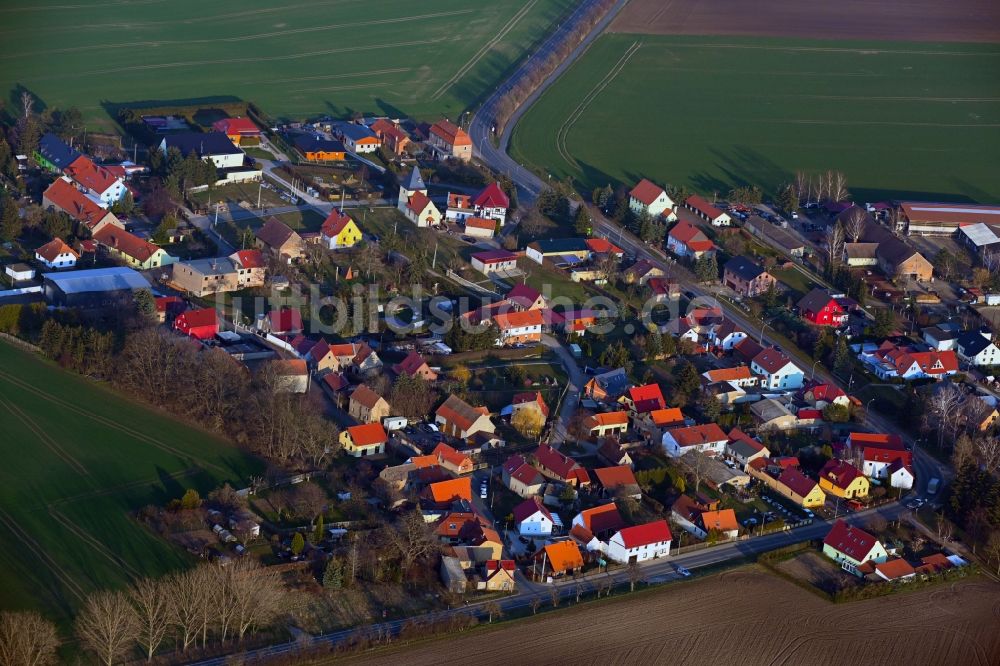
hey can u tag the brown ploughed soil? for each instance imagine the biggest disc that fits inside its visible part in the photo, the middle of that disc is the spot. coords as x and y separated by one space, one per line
735 618
905 20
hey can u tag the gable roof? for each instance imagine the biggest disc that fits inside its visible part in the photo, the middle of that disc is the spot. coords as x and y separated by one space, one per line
451 489
133 246
701 205
646 191
530 507
51 250
614 477
366 397
558 463
840 473
529 397
287 319
275 233
492 196
647 398
96 178
480 223
523 295
668 416
563 555
356 132
494 256
796 481
518 319
197 318
418 202
248 258
698 434
849 540
603 518
368 434
292 367
603 246
74 203
242 126
723 520
743 268
458 412
201 144
973 342
606 419
310 143
613 382
414 183
817 299
691 236
741 372
334 223
643 535
771 360
895 568
450 133
56 151
827 392
410 365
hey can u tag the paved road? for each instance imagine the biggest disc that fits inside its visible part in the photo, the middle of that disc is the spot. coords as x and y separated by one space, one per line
655 571
483 122
571 398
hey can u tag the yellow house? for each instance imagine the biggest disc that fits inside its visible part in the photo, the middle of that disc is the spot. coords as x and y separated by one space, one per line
364 440
339 231
790 483
134 251
842 479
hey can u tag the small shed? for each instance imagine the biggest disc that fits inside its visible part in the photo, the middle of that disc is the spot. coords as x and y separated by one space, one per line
19 272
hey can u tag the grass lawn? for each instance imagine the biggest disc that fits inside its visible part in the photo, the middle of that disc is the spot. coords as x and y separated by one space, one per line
237 192
795 280
327 57
899 119
259 153
78 460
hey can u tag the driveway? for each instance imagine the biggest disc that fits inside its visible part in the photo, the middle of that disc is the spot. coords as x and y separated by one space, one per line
571 397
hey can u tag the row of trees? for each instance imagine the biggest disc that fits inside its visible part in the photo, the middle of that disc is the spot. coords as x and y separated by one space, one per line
206 604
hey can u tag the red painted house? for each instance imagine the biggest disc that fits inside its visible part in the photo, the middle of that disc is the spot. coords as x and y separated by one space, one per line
820 307
202 324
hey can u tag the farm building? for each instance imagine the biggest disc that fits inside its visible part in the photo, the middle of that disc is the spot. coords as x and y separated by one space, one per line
56 254
316 149
494 261
706 211
95 287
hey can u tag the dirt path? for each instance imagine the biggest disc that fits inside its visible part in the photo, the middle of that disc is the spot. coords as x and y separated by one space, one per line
741 617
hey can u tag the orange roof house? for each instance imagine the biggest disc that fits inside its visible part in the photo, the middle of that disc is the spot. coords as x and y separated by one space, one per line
687 240
601 425
603 519
61 195
238 129
452 460
450 140
723 521
460 419
562 557
414 365
364 440
445 492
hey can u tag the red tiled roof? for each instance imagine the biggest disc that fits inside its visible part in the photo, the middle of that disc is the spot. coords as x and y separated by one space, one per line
729 374
771 360
450 133
293 367
335 381
797 482
827 392
250 258
698 434
445 453
51 250
646 191
129 244
879 440
723 520
851 541
643 535
460 413
481 223
896 568
334 223
509 320
450 490
492 196
556 462
418 202
563 555
691 236
536 397
197 318
606 419
74 203
603 246
701 205
365 396
285 320
614 477
494 256
409 365
603 518
93 177
647 398
671 416
839 472
241 126
523 295
530 507
368 434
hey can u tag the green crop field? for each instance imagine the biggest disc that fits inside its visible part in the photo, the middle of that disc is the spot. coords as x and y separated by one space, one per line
899 119
294 60
77 459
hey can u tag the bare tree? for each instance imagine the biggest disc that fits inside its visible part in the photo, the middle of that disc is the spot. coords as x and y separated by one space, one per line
974 413
944 408
944 527
493 608
634 575
578 591
877 524
256 593
993 549
854 223
838 186
554 596
106 626
989 454
27 104
189 593
835 245
412 539
801 185
535 603
151 605
27 639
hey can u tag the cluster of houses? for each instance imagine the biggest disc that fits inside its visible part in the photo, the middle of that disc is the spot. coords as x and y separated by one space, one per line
480 214
333 140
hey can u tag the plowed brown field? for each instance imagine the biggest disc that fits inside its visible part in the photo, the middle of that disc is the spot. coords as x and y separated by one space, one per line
908 20
741 617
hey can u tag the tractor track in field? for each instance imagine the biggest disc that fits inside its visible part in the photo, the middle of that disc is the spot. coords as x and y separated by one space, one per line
93 543
486 48
44 437
563 132
108 422
37 551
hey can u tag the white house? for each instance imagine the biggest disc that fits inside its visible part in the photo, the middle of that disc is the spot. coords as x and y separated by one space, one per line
977 348
494 261
19 272
706 211
532 518
97 181
214 146
707 438
776 370
648 197
57 254
640 543
899 475
359 139
491 203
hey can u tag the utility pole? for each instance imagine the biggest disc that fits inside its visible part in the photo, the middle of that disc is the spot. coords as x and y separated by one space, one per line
260 185
434 260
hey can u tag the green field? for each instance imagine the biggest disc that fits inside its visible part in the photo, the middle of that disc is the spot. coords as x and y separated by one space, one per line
294 60
77 460
899 119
